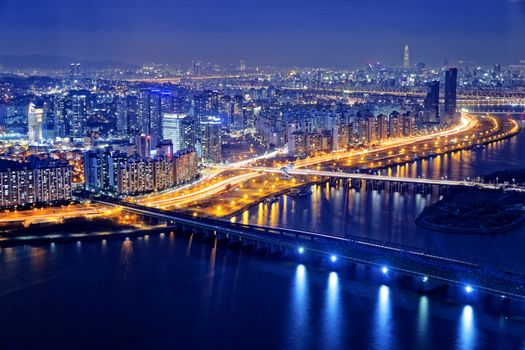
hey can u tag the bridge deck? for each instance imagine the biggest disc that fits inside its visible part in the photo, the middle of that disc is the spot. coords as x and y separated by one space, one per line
491 280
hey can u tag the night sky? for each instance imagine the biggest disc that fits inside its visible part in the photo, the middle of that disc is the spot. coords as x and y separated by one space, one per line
280 32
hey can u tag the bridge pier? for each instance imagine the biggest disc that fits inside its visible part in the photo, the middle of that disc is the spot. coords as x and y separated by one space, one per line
198 232
261 247
274 249
187 229
178 227
222 237
209 234
442 189
234 241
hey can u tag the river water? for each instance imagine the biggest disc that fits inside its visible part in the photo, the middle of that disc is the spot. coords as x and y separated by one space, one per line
171 291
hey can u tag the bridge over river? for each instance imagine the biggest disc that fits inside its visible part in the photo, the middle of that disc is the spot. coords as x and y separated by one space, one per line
427 270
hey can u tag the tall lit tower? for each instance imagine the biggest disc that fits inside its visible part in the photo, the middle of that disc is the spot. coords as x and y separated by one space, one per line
406 58
451 82
34 123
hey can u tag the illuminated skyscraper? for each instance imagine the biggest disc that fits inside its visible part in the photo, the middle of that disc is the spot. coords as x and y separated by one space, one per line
174 128
406 58
34 122
431 104
150 113
211 147
451 82
74 71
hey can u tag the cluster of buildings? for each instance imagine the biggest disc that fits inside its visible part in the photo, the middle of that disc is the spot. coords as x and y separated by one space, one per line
304 138
113 172
433 114
34 180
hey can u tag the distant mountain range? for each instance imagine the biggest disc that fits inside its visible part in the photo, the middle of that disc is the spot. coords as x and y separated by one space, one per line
57 62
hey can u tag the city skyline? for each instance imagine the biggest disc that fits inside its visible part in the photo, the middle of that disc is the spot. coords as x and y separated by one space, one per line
307 33
278 174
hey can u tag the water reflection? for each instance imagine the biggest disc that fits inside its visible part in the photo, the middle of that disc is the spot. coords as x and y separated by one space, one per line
382 326
467 332
126 258
298 322
422 321
332 326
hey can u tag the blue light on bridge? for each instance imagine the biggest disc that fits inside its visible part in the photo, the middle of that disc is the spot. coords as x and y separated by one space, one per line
468 289
384 270
425 279
300 250
333 258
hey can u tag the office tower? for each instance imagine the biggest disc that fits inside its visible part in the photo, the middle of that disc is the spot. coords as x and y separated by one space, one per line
122 120
242 66
155 117
34 122
175 128
406 58
76 113
128 121
451 81
206 103
166 102
74 71
132 116
431 104
150 113
211 147
48 119
61 126
238 112
196 67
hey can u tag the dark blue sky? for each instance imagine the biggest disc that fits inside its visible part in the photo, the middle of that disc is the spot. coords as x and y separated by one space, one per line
302 32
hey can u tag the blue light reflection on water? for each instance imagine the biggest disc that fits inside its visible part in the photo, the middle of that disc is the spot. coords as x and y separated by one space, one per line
422 320
467 333
332 318
299 337
382 334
